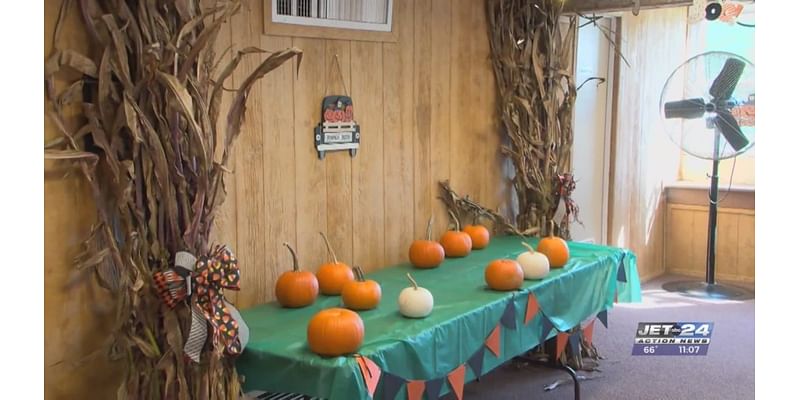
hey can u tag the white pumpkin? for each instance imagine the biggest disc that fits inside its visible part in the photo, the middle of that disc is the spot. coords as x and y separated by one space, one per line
415 301
535 265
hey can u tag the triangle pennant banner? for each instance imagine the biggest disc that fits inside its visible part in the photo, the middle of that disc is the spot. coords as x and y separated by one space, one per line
415 389
371 373
603 317
588 332
433 387
621 276
493 341
509 318
532 309
547 326
574 342
476 361
561 343
456 379
391 385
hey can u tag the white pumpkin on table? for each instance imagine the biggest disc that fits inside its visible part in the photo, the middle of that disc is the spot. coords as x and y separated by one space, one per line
535 265
415 301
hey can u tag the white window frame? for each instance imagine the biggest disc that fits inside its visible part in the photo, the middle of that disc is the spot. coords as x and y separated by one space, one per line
333 23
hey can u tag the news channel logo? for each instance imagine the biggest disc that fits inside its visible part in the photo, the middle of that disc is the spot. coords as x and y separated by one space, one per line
672 338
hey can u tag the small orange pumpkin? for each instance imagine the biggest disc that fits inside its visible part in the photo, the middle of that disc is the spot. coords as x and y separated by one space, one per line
296 288
361 294
426 253
334 275
456 243
504 275
335 332
555 248
479 234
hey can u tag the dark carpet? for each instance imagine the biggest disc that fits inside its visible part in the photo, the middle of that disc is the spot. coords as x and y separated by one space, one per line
727 372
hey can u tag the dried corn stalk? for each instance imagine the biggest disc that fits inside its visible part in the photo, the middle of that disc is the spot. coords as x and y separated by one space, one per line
532 55
151 97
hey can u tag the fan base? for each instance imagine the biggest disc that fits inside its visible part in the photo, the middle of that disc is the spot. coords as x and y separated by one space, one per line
703 290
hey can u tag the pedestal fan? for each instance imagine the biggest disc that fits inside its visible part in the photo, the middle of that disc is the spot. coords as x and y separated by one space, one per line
708 109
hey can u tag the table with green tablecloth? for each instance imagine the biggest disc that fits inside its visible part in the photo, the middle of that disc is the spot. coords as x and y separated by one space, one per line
277 357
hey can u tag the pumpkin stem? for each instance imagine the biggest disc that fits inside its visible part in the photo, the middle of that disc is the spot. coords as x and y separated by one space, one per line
295 268
413 282
359 273
430 227
527 246
330 249
552 227
453 216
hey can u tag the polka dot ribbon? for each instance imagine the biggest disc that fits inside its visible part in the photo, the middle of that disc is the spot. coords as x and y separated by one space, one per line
202 281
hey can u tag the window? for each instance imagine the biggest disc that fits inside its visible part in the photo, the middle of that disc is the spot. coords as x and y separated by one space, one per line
738 37
365 15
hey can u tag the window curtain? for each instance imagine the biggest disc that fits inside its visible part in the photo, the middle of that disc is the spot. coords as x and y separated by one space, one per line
643 157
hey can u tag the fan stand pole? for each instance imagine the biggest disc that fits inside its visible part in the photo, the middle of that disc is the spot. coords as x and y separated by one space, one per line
710 289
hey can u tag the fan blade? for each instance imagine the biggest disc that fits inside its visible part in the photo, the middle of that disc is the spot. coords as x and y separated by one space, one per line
730 129
687 109
725 82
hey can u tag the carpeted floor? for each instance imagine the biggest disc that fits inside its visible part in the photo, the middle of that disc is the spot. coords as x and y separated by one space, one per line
727 372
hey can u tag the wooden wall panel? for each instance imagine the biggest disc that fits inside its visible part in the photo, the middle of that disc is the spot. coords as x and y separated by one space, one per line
686 235
277 89
310 178
441 40
368 229
398 145
77 317
338 165
423 189
251 225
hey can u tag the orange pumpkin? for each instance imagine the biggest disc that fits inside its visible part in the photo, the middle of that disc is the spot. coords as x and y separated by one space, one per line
334 275
555 248
296 288
479 234
361 294
335 332
426 253
504 274
456 243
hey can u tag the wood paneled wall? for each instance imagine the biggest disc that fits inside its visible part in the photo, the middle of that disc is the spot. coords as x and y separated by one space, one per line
426 108
76 316
687 234
643 157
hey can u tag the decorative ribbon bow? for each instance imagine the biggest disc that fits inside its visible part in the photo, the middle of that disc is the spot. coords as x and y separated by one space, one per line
206 277
565 186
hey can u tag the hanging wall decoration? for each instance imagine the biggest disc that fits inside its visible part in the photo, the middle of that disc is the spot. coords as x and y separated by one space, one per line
338 130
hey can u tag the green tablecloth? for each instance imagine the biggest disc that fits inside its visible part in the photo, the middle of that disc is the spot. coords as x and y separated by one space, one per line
465 312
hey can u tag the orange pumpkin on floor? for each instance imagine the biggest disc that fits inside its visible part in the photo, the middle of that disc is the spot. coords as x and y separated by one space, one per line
456 243
334 275
296 288
361 294
426 253
555 248
479 234
335 332
504 275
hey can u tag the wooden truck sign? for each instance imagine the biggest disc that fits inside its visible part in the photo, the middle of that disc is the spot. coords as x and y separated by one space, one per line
337 131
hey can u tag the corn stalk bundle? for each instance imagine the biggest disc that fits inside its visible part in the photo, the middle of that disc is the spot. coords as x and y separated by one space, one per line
154 148
531 55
